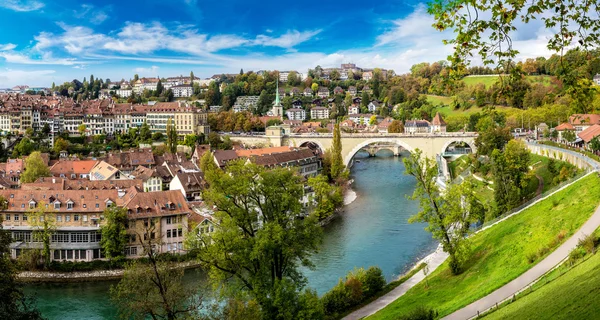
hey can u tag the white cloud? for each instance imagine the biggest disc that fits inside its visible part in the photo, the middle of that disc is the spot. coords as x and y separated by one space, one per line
74 39
9 77
7 47
92 14
21 5
152 70
288 40
46 59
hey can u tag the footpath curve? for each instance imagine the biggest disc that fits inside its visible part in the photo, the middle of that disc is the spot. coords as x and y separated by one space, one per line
508 290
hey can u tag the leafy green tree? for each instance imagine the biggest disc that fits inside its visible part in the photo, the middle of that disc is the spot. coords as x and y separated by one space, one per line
264 103
490 35
448 215
365 99
29 132
46 130
145 134
157 136
34 168
159 88
595 144
326 196
337 162
509 168
171 136
14 304
190 140
23 148
492 138
44 226
260 242
213 94
569 136
114 232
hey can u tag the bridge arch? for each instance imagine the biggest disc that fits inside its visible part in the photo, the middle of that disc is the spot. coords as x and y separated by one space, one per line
358 147
309 143
468 142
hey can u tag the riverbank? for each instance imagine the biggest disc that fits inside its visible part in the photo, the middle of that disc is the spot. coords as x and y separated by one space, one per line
349 196
84 276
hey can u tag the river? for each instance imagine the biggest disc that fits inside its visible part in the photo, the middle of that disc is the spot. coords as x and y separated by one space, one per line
373 230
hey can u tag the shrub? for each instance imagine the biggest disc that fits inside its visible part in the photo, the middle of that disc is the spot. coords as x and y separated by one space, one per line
373 282
531 257
576 254
420 313
588 243
336 299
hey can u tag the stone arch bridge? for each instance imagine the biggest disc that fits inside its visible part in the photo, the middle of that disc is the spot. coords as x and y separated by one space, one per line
432 145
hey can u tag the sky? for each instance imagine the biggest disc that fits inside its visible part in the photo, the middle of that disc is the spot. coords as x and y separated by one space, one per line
45 41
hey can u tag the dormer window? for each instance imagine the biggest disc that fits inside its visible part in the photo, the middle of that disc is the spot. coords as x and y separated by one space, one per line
70 204
57 205
32 204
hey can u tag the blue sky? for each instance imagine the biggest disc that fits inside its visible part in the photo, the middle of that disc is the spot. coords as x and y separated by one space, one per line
55 41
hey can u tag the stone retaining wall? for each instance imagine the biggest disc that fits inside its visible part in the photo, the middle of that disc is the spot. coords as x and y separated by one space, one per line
83 276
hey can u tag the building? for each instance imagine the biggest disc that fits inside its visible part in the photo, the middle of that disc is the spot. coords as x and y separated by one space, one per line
307 162
296 114
245 103
438 124
597 79
73 169
561 128
374 105
367 75
417 126
277 110
352 90
182 91
588 134
583 121
104 171
323 92
319 113
190 184
123 93
151 179
384 124
307 92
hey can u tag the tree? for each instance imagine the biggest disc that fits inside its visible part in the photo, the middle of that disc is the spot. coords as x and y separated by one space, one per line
46 130
569 136
114 232
327 197
159 88
145 134
337 162
595 144
34 168
373 120
485 29
396 127
29 132
260 240
447 215
192 77
213 94
171 137
81 129
23 148
508 169
14 304
273 122
314 87
491 137
44 226
190 140
157 136
364 99
154 289
264 103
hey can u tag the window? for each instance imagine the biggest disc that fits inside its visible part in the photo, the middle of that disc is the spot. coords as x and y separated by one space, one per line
75 217
58 218
57 205
7 217
97 205
69 205
23 205
16 217
85 205
168 233
67 218
169 220
180 232
85 219
24 218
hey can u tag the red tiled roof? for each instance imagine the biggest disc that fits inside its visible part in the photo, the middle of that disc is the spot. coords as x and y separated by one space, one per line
564 126
589 133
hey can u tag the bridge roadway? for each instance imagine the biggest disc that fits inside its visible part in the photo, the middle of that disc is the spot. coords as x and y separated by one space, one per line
431 144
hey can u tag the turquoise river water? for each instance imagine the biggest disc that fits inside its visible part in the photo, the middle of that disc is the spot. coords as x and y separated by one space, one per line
373 230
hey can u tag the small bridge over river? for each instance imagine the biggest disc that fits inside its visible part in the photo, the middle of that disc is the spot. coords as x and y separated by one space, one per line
433 145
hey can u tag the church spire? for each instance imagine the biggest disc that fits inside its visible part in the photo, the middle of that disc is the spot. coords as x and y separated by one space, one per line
277 103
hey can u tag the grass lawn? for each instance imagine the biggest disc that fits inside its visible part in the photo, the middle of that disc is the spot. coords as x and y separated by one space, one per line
540 166
458 165
500 254
488 81
573 295
437 100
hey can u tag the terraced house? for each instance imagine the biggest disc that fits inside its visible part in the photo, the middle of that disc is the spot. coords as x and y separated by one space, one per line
158 219
20 112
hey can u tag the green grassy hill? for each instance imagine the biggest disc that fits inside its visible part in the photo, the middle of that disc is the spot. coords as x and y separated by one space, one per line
573 295
503 252
488 81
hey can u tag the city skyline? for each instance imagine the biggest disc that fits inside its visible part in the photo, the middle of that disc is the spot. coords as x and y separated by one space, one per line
63 40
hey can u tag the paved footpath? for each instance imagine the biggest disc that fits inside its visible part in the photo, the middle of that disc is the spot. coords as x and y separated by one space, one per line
433 261
513 287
